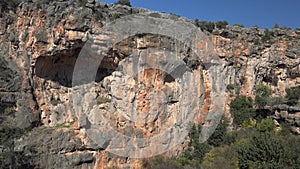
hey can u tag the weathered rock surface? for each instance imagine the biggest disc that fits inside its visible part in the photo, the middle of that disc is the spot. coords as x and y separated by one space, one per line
41 40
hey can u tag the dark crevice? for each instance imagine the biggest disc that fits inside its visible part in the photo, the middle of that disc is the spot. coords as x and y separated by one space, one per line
169 79
173 101
102 73
59 68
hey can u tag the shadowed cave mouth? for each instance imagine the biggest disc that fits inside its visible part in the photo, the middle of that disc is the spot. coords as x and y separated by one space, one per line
59 67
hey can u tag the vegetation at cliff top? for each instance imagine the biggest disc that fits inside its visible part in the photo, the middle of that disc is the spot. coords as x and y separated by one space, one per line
210 26
124 2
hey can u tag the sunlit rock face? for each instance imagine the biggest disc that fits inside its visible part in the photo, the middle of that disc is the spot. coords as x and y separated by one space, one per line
137 89
147 102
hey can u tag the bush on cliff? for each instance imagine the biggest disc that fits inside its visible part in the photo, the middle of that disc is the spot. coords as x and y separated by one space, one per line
293 95
263 93
210 26
242 109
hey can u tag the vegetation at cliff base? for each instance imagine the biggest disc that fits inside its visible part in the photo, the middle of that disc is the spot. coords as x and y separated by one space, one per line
242 109
262 95
255 142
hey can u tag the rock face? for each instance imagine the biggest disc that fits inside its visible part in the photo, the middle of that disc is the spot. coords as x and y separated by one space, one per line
42 40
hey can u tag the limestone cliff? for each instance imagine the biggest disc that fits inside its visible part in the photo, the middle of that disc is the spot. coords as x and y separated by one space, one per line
42 40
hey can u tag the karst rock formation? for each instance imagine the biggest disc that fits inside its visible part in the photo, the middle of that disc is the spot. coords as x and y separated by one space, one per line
147 84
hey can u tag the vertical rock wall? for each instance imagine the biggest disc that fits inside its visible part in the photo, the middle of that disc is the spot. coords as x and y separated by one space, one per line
41 40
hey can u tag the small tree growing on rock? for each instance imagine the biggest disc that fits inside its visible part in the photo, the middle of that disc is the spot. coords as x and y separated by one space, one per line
242 109
263 93
293 95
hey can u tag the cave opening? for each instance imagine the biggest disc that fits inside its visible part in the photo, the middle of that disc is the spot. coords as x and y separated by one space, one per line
59 68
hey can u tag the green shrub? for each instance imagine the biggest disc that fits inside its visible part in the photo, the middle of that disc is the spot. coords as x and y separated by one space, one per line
210 26
263 93
195 155
263 90
61 126
196 151
293 95
221 24
292 159
218 137
160 162
260 101
10 110
265 125
248 124
267 36
242 109
221 157
204 25
264 150
285 129
230 138
268 150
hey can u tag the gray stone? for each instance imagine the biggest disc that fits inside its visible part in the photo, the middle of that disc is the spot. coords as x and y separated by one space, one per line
12 37
59 147
52 146
92 1
89 5
294 108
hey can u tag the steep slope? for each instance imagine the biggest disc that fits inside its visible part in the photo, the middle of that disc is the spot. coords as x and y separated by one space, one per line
41 41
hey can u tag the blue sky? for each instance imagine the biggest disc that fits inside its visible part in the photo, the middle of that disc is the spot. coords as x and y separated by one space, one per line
264 13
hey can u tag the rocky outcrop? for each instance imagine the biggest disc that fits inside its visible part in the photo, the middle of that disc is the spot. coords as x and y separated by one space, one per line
40 45
56 148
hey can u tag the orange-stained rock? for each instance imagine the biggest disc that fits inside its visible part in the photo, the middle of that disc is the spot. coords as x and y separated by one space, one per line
133 96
